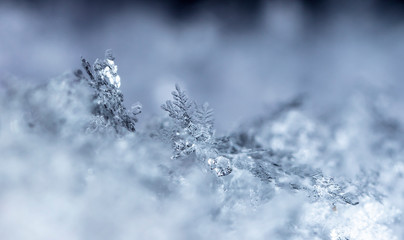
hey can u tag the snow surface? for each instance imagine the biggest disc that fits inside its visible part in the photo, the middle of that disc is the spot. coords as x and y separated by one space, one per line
293 176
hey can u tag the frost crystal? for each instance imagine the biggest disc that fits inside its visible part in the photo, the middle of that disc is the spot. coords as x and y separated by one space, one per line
221 165
108 109
281 169
182 109
107 69
192 132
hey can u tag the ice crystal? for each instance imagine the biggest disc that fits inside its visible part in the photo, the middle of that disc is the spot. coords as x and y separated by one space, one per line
109 109
181 109
108 69
192 132
221 165
88 104
282 170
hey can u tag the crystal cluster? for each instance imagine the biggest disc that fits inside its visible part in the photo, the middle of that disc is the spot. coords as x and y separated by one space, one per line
192 132
108 106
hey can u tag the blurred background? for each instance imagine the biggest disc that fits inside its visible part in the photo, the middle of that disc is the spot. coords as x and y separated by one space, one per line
241 56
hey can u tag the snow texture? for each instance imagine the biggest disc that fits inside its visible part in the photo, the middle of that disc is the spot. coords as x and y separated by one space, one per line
73 167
